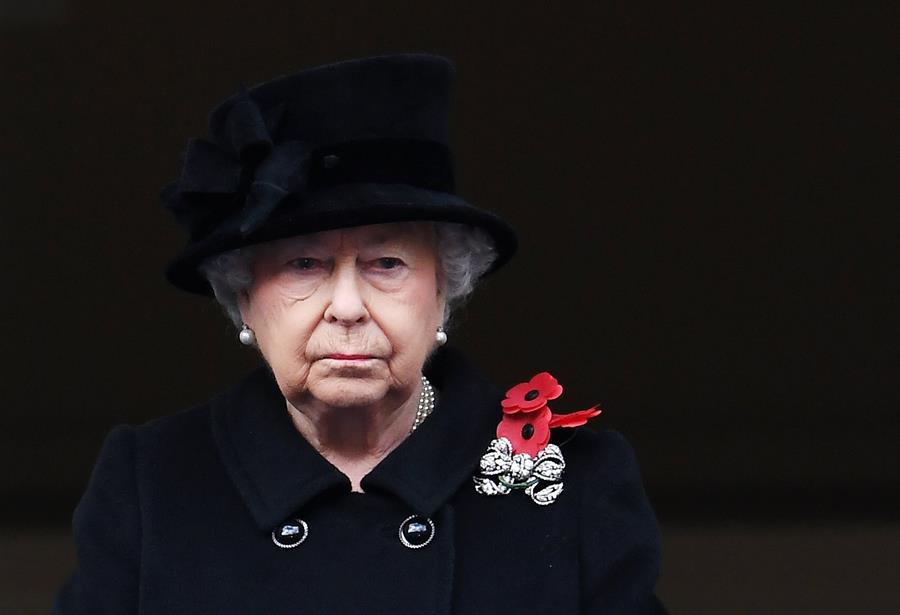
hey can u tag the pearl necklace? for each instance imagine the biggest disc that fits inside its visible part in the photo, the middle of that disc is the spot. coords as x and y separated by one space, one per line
426 404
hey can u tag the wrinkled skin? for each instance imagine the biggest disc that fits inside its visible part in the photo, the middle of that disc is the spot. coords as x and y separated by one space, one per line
370 291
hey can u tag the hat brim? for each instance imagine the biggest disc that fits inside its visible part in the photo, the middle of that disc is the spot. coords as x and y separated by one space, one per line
342 206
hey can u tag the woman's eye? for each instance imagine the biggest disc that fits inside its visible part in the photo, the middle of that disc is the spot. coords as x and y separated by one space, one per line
305 264
389 262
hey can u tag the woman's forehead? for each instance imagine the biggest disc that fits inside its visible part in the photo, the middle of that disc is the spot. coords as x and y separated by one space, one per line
372 235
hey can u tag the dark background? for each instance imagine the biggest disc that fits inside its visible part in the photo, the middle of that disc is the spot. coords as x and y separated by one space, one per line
707 203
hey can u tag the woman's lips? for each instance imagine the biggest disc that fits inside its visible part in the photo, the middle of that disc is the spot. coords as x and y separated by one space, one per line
350 357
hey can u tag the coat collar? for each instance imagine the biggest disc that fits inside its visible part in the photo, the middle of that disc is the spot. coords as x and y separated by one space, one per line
277 472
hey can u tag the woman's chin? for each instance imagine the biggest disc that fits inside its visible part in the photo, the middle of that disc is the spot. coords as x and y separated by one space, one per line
348 392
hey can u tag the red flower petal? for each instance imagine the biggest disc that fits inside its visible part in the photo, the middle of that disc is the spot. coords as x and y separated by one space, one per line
531 395
516 409
574 419
528 433
515 398
547 385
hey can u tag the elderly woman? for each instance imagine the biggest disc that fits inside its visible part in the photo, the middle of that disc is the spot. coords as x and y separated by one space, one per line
365 467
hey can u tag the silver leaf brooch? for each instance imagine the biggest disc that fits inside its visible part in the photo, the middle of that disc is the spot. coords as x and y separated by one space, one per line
521 457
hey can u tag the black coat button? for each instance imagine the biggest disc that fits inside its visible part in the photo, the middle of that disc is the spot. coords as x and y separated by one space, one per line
290 533
329 161
416 531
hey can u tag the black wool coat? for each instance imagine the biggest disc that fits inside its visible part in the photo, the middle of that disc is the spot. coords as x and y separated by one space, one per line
179 513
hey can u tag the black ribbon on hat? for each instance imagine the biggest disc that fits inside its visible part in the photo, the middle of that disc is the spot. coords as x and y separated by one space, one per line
240 170
243 174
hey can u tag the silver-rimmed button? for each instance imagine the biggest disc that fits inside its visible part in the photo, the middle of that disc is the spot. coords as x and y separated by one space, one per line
329 161
290 533
416 531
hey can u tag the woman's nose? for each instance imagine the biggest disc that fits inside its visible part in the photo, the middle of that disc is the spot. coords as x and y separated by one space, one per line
347 305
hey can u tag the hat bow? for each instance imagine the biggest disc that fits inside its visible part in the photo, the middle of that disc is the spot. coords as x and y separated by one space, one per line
239 170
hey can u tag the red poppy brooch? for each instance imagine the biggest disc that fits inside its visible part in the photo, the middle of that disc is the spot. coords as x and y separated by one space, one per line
521 456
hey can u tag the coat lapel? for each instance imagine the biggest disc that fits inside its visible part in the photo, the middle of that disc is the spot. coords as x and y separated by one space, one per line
274 468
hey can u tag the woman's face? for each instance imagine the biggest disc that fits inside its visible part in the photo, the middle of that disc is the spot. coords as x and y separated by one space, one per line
347 317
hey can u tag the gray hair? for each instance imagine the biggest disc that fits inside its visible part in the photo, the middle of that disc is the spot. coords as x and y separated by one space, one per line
464 252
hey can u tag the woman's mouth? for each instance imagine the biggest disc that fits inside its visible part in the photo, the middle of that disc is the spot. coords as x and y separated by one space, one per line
350 357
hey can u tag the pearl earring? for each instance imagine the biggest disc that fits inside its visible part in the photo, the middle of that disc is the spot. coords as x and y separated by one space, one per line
247 337
440 336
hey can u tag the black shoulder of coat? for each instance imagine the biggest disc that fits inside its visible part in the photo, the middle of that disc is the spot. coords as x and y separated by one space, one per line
620 537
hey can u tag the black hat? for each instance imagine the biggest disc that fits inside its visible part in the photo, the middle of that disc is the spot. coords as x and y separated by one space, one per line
356 142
